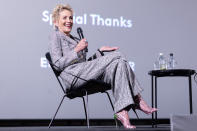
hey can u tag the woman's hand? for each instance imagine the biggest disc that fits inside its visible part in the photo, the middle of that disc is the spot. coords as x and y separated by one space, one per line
107 48
81 45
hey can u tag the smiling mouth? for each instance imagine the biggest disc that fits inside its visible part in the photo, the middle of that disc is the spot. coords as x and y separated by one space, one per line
68 25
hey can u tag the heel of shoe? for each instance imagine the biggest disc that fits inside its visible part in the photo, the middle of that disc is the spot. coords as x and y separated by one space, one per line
118 124
123 118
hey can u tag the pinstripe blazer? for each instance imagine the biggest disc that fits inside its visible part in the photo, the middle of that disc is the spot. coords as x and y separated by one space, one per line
61 48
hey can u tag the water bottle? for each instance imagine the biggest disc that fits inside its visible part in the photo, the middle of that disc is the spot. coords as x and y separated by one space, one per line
162 62
171 62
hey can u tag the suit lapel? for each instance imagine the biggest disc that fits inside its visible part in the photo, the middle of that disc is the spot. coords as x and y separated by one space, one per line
68 39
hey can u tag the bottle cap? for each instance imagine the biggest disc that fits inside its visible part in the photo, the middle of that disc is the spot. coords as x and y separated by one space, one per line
171 54
160 53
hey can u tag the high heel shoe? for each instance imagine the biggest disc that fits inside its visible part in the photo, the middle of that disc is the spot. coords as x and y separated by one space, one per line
123 117
143 106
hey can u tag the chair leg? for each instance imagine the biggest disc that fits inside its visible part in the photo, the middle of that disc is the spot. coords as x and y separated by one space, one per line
135 113
112 107
56 112
110 100
84 104
86 109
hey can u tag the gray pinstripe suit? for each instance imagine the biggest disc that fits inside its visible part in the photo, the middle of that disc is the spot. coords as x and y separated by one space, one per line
112 68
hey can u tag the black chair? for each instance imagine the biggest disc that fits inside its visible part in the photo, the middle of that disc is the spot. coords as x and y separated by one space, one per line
90 87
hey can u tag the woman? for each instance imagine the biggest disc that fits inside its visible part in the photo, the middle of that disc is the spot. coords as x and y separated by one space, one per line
69 55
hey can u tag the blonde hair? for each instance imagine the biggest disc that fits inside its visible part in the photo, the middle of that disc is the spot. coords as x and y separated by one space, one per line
59 8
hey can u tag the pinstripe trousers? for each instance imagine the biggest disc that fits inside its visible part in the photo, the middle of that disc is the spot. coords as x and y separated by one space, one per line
112 68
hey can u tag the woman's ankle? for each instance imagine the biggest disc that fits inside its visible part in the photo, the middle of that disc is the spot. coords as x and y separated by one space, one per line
142 105
123 117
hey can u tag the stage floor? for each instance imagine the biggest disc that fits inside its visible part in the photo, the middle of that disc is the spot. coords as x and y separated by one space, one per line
84 128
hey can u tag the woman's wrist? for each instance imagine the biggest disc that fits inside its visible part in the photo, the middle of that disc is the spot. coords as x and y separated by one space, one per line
76 49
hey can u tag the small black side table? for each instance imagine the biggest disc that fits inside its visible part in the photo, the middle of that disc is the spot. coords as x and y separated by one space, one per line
168 73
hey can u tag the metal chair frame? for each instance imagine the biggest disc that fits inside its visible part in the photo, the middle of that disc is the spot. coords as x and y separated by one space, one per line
70 93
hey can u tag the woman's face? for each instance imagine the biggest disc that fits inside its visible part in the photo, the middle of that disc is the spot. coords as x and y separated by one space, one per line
65 22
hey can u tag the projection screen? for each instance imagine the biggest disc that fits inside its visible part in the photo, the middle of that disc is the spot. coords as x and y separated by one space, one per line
140 28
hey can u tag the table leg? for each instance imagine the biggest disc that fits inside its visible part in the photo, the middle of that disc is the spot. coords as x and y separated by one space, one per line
155 101
190 94
152 95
